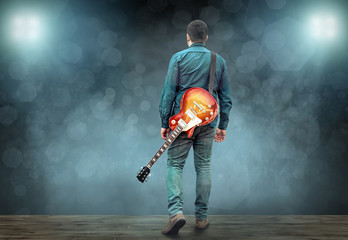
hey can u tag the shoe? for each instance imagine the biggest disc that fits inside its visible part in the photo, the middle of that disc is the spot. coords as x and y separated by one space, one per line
174 225
202 224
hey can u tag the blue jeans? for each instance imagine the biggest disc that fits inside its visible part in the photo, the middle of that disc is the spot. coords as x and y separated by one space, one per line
202 142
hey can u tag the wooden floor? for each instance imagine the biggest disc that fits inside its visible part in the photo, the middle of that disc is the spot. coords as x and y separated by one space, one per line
118 227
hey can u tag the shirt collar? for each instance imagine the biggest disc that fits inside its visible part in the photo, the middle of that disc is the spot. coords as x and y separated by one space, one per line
197 44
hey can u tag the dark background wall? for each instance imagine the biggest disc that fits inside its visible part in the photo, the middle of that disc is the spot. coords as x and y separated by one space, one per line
79 107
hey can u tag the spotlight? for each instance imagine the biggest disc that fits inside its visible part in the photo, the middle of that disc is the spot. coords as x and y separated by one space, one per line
17 34
330 21
18 22
33 22
316 21
331 33
26 28
33 35
324 27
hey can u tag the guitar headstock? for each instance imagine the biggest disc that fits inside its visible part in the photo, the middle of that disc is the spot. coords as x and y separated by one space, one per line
143 174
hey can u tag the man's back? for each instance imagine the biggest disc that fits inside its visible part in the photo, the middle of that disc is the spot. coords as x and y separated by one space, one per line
190 68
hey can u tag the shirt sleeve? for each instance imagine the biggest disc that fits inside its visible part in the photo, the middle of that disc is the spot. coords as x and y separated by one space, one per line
225 101
169 92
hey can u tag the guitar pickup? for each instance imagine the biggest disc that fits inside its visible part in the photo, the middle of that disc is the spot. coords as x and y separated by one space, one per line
190 114
182 123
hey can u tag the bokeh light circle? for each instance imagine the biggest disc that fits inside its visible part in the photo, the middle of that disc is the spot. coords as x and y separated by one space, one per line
8 115
12 157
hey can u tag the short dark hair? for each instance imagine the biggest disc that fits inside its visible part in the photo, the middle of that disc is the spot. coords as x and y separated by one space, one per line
197 30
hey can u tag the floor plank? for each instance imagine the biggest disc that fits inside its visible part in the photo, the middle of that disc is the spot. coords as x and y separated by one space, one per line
116 227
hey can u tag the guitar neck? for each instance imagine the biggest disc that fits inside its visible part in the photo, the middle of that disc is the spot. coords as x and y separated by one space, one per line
172 136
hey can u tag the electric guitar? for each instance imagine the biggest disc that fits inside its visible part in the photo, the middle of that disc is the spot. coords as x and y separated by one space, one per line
197 108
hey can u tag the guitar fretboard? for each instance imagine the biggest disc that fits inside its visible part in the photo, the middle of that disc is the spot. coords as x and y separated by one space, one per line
172 136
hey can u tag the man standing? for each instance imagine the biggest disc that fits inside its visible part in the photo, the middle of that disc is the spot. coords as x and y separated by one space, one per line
190 68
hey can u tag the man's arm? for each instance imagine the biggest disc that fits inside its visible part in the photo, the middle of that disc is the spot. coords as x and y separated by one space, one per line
168 96
225 103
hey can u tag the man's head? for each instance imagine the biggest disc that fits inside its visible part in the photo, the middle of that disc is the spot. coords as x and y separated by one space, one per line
197 31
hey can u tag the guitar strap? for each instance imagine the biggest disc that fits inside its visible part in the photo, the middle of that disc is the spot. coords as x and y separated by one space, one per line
212 72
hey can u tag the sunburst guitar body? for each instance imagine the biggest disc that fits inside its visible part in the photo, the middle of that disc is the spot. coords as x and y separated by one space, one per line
197 108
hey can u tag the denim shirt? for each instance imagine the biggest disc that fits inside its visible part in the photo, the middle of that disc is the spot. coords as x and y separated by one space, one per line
190 68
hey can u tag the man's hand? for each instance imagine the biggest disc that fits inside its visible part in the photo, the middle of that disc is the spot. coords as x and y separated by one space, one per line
165 133
220 135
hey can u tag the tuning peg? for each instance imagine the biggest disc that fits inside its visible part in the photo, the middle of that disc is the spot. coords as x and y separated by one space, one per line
149 174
